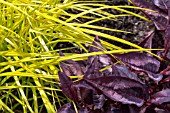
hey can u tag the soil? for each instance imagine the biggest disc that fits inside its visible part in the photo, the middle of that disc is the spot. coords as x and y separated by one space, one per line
137 26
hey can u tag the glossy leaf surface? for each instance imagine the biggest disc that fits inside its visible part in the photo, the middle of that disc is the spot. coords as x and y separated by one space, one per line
161 97
120 89
142 62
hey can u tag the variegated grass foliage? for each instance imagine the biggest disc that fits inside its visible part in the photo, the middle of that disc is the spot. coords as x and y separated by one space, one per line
29 33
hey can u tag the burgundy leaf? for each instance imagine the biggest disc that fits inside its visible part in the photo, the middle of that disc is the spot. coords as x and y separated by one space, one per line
70 67
120 89
161 97
162 4
159 17
67 108
67 86
142 62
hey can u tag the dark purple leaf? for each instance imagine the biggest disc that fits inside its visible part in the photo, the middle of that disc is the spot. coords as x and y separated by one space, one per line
142 62
80 92
98 62
161 97
87 95
147 42
98 101
156 77
67 86
120 89
133 109
147 109
113 109
96 45
165 107
122 71
84 94
95 64
93 67
168 55
71 67
85 110
159 17
167 40
162 4
121 109
67 108
166 83
158 110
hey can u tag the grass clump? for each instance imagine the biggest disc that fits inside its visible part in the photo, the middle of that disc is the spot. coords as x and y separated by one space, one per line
30 32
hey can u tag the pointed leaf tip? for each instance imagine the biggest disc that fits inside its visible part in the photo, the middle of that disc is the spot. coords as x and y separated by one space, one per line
96 39
96 45
61 54
66 86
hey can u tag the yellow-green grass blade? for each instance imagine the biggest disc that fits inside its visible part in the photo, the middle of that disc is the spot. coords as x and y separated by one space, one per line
13 6
97 27
3 105
47 103
34 87
21 91
63 58
106 7
106 17
45 99
115 39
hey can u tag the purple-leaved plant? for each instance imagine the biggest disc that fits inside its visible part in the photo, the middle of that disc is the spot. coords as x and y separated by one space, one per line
139 83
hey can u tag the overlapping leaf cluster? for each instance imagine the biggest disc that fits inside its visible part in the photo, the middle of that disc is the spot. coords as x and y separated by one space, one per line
160 16
118 86
123 83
